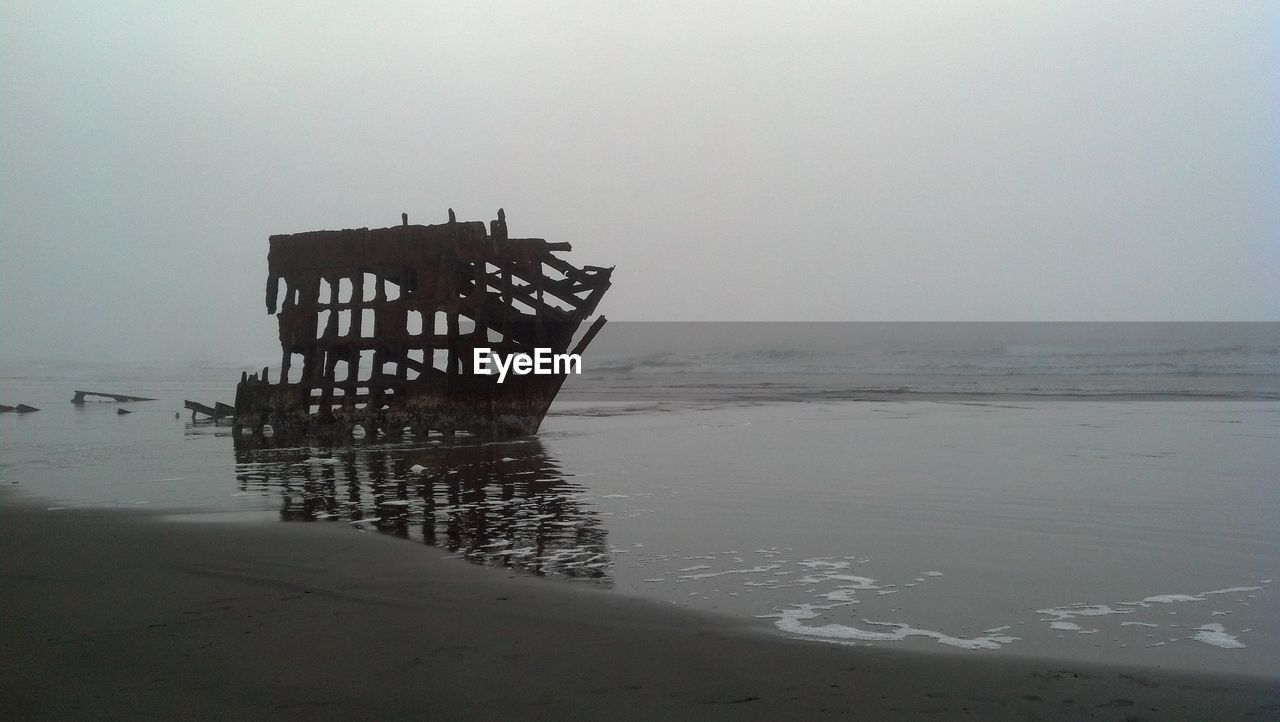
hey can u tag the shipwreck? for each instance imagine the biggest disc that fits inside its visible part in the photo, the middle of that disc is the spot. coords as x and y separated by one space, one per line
378 329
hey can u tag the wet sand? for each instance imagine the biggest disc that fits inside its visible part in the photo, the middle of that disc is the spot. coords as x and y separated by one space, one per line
113 614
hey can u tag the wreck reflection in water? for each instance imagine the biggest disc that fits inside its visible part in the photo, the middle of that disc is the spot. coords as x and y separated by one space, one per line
496 504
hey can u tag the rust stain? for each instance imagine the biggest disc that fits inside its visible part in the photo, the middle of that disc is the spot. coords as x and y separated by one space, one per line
378 328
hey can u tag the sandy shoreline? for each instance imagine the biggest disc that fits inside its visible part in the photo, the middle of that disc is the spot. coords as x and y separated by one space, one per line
109 614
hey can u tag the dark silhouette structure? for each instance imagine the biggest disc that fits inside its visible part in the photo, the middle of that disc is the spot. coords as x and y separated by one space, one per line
378 328
79 397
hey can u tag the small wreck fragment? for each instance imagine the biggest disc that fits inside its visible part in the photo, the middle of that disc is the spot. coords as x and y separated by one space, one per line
217 411
379 328
79 397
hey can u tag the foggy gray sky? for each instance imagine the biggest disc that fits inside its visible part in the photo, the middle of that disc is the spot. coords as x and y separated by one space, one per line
737 161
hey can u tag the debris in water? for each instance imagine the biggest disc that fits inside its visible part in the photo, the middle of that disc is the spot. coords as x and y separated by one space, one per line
79 398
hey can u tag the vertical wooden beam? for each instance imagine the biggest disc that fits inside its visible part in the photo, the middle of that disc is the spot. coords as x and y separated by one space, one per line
452 363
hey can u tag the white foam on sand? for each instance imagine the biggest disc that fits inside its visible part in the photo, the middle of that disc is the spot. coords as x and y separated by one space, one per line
1170 599
753 570
853 582
1211 634
1197 597
1216 635
1234 590
1061 614
791 621
841 594
823 564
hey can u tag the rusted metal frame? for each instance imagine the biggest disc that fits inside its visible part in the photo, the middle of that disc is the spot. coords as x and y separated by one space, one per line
600 276
464 258
590 335
592 300
526 295
529 246
571 287
557 293
508 308
568 269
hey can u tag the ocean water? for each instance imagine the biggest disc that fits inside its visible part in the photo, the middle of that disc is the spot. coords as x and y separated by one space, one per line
910 360
1075 491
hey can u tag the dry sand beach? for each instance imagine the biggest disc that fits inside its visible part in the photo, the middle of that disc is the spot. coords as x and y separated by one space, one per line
114 614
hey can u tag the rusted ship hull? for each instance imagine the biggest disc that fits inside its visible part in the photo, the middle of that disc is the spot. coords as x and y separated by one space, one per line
378 329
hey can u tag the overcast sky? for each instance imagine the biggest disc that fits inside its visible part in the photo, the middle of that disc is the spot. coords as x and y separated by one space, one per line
737 161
